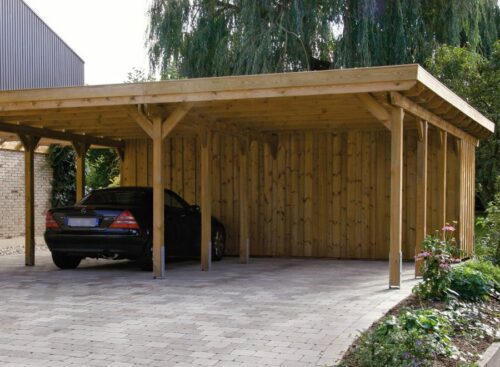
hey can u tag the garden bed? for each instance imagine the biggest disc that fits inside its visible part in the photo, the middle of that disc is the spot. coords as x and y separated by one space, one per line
470 345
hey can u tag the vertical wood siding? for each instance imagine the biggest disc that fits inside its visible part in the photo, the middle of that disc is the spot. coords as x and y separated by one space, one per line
325 195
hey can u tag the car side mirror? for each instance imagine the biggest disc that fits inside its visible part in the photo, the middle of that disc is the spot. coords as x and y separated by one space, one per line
195 208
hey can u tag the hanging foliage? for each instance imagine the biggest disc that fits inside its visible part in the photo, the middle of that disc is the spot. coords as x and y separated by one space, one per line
230 37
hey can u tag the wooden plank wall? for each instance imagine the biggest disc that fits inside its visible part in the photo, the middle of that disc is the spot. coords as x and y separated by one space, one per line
466 161
325 194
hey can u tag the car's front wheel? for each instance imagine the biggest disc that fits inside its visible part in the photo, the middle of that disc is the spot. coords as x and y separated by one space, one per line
65 261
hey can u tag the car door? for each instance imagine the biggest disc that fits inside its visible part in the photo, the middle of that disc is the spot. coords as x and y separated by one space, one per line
179 226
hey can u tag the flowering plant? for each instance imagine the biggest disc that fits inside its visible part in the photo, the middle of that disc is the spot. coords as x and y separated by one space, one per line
439 252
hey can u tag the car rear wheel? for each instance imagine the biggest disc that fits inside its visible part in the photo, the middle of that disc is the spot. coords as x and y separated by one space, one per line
65 261
218 244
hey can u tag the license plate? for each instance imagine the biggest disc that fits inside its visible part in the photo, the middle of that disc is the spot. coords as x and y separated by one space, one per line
82 222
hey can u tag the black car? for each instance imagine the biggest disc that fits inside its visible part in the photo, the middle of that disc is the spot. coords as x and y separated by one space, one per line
116 223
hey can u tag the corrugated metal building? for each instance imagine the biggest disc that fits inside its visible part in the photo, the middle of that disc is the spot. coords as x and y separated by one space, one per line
31 54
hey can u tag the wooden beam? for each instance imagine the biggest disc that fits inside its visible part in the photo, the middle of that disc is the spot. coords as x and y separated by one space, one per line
137 113
376 109
59 135
442 167
81 149
421 126
146 122
344 81
158 201
30 143
395 256
206 198
418 111
421 203
243 191
174 119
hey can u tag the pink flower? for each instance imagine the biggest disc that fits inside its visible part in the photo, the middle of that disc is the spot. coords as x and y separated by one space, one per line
443 266
423 255
448 228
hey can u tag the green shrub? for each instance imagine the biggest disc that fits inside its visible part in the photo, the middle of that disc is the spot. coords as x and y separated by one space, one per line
439 252
488 244
491 271
414 338
470 284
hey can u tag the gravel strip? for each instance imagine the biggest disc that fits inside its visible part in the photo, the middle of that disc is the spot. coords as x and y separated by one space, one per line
15 246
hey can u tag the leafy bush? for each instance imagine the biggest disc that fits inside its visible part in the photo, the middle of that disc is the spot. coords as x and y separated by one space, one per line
488 245
414 338
439 252
470 284
62 162
492 272
103 166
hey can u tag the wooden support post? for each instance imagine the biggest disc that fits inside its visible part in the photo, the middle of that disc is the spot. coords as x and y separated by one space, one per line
395 261
244 218
158 129
442 164
30 143
158 201
308 194
81 149
421 204
206 198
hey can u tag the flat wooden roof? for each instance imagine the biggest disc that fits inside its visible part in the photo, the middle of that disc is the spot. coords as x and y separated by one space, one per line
267 103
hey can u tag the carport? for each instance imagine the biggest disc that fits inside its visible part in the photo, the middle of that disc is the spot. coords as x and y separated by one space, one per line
352 164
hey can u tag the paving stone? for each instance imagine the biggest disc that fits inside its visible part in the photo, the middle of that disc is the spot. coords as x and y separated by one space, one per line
271 312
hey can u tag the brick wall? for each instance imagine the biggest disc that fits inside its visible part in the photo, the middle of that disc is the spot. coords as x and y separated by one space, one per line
12 193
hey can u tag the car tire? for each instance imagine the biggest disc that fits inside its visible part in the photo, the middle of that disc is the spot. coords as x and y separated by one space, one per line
65 261
218 243
146 260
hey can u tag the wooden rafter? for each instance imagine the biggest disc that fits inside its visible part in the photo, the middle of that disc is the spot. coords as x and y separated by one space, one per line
174 119
59 135
376 109
139 114
420 112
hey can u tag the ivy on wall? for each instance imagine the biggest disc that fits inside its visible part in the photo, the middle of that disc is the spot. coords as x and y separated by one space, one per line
102 169
62 161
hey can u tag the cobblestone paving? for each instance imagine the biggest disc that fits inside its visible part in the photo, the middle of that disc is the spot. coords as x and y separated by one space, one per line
271 312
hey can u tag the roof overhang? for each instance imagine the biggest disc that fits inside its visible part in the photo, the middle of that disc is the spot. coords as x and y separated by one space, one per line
269 103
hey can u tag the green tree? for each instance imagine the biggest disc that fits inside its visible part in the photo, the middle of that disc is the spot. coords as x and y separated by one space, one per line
103 166
229 37
477 80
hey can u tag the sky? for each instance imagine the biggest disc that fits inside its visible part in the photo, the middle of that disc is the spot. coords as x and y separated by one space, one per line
108 35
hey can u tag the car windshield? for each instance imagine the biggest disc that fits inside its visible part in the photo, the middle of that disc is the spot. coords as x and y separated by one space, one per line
115 197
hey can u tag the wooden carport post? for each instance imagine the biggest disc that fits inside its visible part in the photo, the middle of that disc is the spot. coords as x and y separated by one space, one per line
158 129
81 149
205 137
395 261
421 204
442 164
244 219
158 201
30 143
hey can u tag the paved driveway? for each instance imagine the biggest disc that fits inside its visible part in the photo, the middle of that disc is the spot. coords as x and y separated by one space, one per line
276 312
